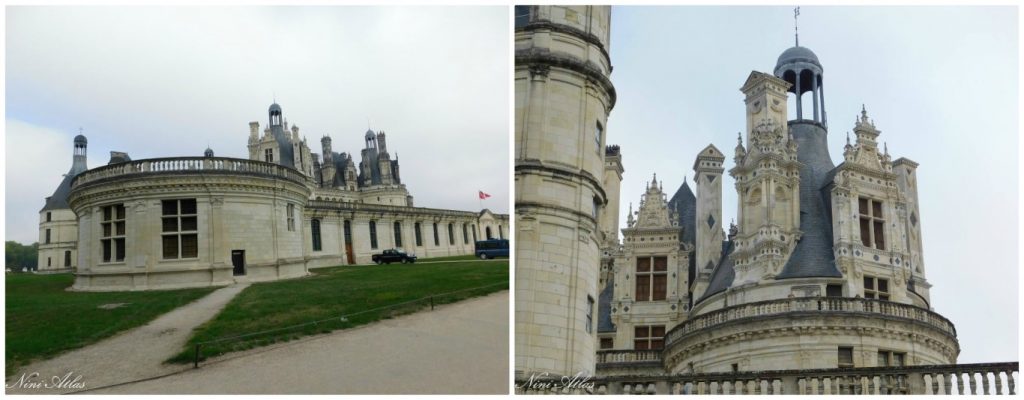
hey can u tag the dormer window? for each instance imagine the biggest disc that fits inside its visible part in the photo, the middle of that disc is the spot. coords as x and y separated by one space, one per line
872 225
268 155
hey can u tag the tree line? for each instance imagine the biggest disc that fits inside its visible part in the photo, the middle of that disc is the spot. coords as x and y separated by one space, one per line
21 256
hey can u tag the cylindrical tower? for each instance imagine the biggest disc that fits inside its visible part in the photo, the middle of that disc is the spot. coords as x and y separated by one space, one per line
563 97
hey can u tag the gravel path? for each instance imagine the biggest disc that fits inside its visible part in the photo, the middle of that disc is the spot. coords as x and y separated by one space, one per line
132 355
457 348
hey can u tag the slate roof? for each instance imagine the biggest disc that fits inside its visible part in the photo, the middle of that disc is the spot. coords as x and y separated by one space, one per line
284 144
604 309
813 255
59 199
685 205
723 274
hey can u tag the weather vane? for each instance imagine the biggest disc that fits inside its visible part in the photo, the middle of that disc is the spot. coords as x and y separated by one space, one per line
796 29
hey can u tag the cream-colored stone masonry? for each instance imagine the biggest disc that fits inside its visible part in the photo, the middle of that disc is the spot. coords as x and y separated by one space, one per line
59 252
262 209
563 97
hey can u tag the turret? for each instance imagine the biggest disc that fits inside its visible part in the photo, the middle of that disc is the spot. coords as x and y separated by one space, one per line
328 171
708 169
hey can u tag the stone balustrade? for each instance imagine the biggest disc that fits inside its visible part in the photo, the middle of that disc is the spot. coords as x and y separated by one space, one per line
809 305
189 164
990 378
628 356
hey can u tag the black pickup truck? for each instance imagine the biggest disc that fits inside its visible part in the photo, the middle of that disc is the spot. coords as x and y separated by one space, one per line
393 255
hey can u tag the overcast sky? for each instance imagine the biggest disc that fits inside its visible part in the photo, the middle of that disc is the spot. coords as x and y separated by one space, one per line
168 81
941 84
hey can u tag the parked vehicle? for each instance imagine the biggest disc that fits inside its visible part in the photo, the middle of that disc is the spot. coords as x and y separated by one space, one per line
491 248
394 255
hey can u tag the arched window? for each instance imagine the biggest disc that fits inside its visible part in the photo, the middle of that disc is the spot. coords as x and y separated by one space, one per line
419 236
398 234
373 234
489 236
314 227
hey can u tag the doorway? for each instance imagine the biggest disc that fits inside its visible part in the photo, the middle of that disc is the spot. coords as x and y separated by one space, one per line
238 261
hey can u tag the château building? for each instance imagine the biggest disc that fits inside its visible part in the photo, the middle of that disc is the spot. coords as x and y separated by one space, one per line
203 221
818 287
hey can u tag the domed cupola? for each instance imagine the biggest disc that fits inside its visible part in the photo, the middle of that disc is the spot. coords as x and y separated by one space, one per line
800 67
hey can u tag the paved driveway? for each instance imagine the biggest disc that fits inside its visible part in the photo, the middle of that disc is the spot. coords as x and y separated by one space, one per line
458 348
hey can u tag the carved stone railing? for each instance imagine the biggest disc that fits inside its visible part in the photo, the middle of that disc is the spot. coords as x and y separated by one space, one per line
809 305
628 356
189 164
991 378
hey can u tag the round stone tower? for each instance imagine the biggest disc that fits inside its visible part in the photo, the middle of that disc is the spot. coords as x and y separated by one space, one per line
563 97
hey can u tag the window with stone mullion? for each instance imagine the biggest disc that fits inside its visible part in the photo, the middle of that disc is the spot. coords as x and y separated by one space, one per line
180 227
651 278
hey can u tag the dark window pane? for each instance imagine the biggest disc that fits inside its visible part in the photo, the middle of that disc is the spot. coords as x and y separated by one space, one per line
883 359
661 263
643 264
106 250
846 356
108 213
120 211
170 207
315 230
876 209
67 258
451 234
643 288
120 228
171 246
437 241
606 343
883 285
189 246
897 360
869 283
641 331
879 236
171 224
189 224
640 345
107 229
658 331
419 237
657 344
119 245
865 232
188 206
660 287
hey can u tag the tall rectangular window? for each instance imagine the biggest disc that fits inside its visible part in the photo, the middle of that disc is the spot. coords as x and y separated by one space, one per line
607 343
348 232
501 233
451 234
47 235
373 234
291 217
268 155
649 337
651 278
437 240
473 228
465 234
180 229
48 217
67 258
419 235
876 288
314 226
872 224
398 234
598 131
112 239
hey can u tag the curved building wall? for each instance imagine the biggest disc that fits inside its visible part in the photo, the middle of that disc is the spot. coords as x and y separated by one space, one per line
236 201
563 97
59 252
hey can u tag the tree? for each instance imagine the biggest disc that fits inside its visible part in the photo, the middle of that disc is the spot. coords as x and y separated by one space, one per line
21 256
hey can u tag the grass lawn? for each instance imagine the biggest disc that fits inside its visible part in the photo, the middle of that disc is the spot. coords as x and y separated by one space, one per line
44 320
334 292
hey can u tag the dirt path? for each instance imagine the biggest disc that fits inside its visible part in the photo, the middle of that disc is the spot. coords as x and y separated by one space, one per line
457 348
135 354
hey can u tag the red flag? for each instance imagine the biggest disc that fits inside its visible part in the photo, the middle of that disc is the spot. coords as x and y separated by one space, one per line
483 196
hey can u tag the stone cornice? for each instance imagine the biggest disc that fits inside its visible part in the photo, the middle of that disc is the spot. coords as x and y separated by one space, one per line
547 170
542 24
535 56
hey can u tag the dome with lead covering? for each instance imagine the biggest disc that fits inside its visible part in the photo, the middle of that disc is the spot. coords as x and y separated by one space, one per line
797 54
80 139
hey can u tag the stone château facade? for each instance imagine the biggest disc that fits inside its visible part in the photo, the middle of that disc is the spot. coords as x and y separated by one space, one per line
818 287
202 221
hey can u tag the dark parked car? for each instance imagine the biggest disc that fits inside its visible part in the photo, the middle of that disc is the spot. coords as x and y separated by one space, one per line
394 255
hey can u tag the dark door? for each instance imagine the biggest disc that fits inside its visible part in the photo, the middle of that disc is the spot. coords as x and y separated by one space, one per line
348 243
238 260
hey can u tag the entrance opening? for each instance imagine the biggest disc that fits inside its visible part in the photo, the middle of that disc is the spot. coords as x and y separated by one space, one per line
238 261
